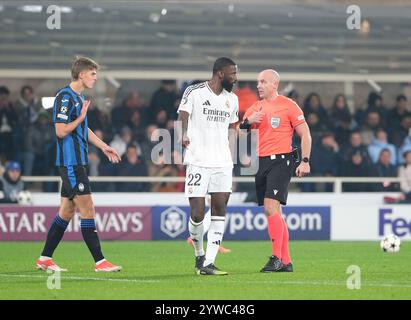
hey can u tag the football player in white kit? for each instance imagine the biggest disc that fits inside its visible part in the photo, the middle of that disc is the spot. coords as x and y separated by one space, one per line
207 111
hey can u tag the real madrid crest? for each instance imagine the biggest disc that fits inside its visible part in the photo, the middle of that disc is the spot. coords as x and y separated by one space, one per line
227 104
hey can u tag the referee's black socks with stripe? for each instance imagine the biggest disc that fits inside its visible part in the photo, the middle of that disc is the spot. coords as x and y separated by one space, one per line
54 236
89 232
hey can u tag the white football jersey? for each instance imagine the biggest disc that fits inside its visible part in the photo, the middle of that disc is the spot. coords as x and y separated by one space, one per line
210 117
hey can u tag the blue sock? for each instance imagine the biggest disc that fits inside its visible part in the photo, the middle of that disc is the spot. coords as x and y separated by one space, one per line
89 232
54 236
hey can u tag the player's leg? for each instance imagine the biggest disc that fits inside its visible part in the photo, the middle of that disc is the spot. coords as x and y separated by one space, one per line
215 234
207 223
207 216
61 221
84 203
278 179
196 230
285 251
220 190
55 234
206 227
275 231
196 184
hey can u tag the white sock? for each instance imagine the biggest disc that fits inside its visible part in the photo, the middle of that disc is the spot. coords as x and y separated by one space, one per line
207 221
44 258
214 238
196 230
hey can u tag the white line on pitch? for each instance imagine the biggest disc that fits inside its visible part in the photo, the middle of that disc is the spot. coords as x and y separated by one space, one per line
327 283
80 278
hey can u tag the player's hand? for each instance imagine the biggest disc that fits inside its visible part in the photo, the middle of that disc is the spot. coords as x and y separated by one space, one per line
111 154
84 109
256 117
185 141
303 169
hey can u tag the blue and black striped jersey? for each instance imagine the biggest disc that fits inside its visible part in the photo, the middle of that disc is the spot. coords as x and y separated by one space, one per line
73 148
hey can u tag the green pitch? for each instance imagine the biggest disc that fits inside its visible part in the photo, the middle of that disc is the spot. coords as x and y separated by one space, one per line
164 270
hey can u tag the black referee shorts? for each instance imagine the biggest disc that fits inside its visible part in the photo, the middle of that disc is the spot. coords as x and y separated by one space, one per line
273 177
75 181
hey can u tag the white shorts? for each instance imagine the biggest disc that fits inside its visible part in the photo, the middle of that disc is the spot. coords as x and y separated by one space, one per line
202 180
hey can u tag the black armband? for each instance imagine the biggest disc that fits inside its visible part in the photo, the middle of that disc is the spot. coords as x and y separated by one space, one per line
245 125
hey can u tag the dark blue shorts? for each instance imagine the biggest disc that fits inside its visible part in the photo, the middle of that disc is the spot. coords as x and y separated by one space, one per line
75 181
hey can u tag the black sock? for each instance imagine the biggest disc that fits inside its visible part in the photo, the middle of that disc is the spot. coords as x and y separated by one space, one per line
54 236
89 232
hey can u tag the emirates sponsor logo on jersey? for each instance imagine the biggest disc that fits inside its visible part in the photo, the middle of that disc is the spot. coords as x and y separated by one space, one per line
215 112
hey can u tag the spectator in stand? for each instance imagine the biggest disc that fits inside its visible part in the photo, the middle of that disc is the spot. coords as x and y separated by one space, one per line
324 159
28 106
165 98
38 146
120 116
246 97
295 96
325 156
406 146
136 125
161 119
374 104
379 143
355 145
8 126
161 169
10 183
122 140
317 128
356 166
369 128
94 116
132 166
150 140
398 132
341 119
384 168
399 111
404 173
312 104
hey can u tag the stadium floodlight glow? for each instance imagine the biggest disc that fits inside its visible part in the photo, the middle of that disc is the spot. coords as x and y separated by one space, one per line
164 12
31 8
97 9
66 9
154 17
47 102
374 85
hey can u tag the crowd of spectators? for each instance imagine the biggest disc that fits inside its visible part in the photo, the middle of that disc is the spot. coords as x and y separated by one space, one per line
369 142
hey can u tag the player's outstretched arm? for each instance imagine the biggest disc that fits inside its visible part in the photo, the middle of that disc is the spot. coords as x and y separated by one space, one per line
110 152
304 132
182 134
63 129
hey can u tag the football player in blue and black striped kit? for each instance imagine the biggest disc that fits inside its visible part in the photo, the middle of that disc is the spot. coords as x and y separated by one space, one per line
73 134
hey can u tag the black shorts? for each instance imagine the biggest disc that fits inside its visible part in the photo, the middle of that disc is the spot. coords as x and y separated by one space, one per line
273 177
75 181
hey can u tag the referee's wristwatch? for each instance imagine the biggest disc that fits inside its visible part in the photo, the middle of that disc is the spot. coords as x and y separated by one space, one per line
305 159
